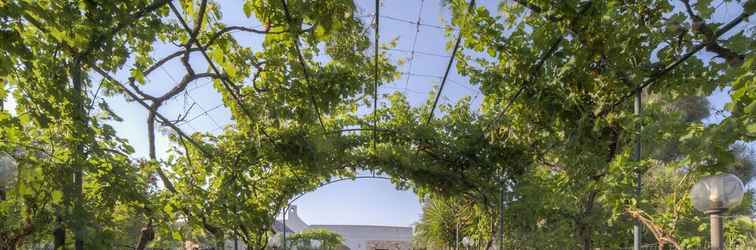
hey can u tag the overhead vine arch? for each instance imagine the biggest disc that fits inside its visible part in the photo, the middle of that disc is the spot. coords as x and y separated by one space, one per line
555 118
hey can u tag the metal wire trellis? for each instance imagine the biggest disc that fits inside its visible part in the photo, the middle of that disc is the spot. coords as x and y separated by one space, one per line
413 52
418 23
414 42
187 93
416 52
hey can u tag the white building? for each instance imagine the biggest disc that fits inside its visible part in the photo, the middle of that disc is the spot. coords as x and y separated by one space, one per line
356 237
359 237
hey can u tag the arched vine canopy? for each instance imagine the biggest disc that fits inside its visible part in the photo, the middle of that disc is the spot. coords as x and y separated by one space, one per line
555 128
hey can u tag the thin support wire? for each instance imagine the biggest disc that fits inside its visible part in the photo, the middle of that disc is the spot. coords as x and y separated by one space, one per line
476 91
441 77
417 52
414 42
206 113
187 93
398 19
407 90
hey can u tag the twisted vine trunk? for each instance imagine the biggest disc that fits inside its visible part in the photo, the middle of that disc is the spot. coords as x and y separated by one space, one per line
59 233
584 227
146 235
585 238
663 237
79 128
11 241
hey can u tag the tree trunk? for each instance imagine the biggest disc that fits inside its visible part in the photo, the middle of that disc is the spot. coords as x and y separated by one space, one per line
583 223
220 240
585 236
7 245
147 234
59 235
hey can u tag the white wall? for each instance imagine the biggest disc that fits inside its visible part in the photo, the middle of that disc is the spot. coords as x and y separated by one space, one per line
293 221
357 236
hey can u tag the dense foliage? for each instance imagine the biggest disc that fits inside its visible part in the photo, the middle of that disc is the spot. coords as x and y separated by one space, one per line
312 239
537 214
555 132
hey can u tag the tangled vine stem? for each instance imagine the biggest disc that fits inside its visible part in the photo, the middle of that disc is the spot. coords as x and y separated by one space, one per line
662 237
700 26
203 49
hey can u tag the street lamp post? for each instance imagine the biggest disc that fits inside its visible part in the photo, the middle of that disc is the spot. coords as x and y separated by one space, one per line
283 218
8 169
714 195
456 237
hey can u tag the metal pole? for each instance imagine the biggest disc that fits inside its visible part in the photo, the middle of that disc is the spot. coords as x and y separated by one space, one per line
715 218
283 243
456 237
636 157
501 218
80 118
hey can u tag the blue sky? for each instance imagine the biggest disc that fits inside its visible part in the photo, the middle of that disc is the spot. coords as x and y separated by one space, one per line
364 201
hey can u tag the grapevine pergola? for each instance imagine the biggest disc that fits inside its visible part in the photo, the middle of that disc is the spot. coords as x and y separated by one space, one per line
199 47
545 56
311 98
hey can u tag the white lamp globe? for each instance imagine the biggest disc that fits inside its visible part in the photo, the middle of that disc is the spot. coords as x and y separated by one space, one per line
717 192
8 169
467 242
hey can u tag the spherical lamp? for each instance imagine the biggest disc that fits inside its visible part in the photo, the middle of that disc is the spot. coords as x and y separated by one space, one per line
717 192
714 195
467 242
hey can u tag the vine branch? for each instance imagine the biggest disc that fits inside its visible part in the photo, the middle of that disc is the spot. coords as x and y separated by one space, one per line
710 39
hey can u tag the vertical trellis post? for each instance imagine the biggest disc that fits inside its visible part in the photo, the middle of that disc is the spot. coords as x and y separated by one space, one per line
501 214
377 70
636 158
